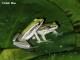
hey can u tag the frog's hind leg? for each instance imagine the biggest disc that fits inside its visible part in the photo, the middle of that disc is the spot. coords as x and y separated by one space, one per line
20 44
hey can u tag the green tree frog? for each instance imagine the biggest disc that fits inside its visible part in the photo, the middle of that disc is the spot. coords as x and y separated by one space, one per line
20 40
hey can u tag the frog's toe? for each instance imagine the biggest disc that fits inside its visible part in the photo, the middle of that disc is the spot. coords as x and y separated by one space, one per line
39 41
43 41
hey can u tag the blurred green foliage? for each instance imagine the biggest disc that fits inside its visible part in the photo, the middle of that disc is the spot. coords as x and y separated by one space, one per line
71 7
14 18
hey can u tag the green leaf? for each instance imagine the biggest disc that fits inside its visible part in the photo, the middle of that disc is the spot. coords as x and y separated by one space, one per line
71 40
16 54
14 18
66 42
71 6
61 56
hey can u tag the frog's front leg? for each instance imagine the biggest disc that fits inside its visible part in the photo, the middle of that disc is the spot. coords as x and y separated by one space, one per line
37 37
21 44
43 37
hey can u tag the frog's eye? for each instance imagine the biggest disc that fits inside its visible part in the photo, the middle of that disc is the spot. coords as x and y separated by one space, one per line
55 25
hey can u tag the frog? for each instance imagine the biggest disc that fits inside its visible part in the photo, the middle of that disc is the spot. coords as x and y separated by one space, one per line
21 39
46 29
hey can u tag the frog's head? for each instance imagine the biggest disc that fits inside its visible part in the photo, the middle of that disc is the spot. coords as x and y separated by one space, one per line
38 21
54 25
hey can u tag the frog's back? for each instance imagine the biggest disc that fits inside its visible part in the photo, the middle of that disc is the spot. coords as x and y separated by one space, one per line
31 25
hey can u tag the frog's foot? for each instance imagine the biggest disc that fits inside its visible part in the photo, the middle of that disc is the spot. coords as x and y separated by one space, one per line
39 41
43 37
55 32
42 41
